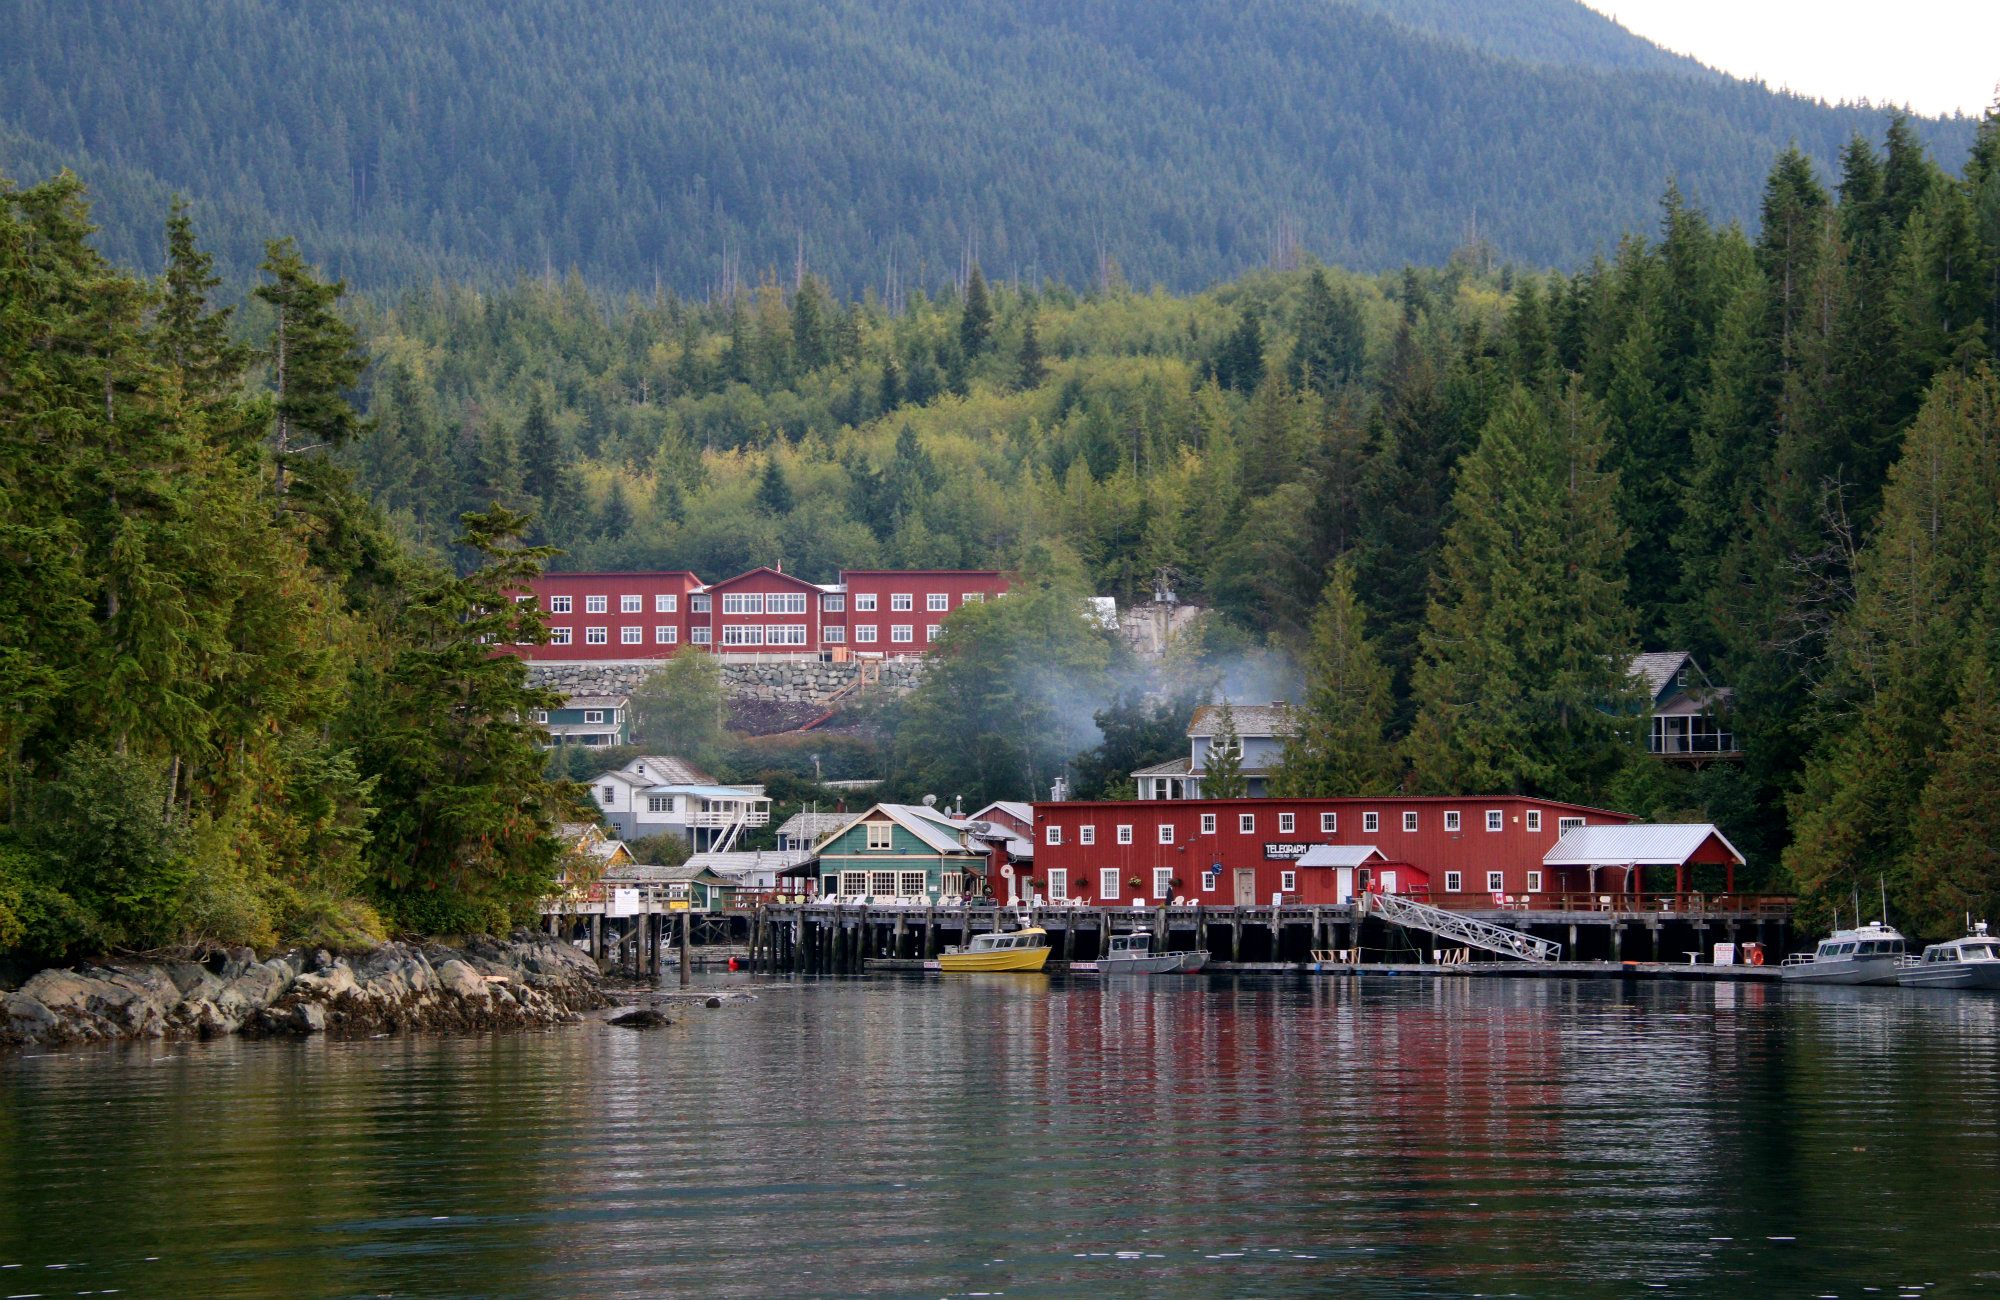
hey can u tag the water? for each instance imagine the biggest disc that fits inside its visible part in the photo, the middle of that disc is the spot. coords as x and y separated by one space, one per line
1029 1136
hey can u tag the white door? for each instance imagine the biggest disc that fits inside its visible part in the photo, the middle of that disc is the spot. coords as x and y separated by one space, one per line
1388 882
1343 884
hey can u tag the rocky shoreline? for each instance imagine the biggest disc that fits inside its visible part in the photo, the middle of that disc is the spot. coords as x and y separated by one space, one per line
528 980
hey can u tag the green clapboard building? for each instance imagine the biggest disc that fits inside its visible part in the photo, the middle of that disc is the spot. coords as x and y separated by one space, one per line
901 851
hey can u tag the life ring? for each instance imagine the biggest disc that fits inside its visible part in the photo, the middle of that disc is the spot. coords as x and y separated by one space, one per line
1756 954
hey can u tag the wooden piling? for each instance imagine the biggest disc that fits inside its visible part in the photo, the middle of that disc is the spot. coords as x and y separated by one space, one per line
687 958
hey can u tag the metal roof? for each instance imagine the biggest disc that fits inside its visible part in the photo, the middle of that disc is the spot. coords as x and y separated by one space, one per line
716 793
927 824
748 863
1020 812
1341 855
1634 846
812 825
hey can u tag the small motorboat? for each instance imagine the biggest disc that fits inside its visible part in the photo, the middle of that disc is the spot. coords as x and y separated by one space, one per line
1868 954
1132 954
1017 950
1192 962
1969 963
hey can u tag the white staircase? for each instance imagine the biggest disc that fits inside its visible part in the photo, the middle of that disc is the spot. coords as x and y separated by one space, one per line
1413 915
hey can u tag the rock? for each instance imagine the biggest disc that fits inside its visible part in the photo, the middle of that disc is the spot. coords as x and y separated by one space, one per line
460 980
326 985
309 1018
713 1002
639 1018
24 1020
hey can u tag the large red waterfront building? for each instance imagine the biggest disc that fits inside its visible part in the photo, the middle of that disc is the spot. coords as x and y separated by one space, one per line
622 617
1473 851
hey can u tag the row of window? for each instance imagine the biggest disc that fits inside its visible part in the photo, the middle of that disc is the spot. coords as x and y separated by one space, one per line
764 634
664 634
892 884
1329 824
1110 886
758 602
899 633
662 604
778 634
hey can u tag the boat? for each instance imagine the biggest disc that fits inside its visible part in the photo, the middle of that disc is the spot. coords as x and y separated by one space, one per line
1868 954
1132 954
1972 962
1016 950
1192 962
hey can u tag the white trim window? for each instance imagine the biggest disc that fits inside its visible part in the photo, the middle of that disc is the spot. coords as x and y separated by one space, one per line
1495 819
593 717
833 603
597 604
608 795
699 604
1288 882
1163 881
631 604
1370 823
1208 823
1534 821
596 636
785 602
1409 821
952 884
973 598
1454 882
1329 823
1451 821
742 634
631 636
666 634
912 884
1107 884
1166 832
864 634
1564 825
666 604
742 602
784 634
1211 880
700 635
881 836
1125 833
1052 835
864 602
1287 824
538 715
931 632
937 602
559 604
1086 835
900 634
901 602
1058 884
1534 882
659 803
1246 823
1496 882
558 636
833 635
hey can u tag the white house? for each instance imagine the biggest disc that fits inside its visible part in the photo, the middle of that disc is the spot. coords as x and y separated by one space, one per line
654 795
1261 732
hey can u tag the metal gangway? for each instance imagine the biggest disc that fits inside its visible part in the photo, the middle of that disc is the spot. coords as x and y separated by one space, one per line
1411 914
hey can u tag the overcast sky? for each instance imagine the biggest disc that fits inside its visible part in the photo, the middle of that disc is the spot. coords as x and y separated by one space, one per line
1934 55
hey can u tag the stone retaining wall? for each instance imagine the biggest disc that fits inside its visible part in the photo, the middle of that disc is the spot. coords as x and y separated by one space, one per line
806 681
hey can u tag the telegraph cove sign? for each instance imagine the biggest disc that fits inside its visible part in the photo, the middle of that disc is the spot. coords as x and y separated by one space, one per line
1284 852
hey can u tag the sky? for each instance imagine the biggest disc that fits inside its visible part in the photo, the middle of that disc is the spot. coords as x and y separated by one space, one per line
1933 55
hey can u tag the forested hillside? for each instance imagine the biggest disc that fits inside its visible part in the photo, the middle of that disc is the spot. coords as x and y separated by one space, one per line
697 145
1458 498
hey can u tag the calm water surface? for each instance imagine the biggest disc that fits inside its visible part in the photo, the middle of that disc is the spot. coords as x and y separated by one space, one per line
1028 1136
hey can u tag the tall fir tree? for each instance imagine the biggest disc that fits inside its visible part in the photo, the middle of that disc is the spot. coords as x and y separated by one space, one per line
1341 746
1030 370
1222 766
1328 338
315 359
975 324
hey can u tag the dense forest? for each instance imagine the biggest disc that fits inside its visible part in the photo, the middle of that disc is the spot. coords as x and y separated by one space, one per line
1455 498
696 146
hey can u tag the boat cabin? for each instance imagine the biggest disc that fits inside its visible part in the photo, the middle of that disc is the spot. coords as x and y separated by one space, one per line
1137 945
1008 942
1846 945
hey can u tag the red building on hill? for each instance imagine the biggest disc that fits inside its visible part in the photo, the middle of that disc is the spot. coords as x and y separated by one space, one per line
1476 852
869 613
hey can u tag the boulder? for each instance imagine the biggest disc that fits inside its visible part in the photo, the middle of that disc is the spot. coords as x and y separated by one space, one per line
309 1018
25 1020
460 980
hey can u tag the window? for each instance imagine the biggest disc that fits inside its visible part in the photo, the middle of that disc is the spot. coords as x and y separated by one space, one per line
666 634
1370 823
833 635
1495 820
1534 819
1288 881
743 602
882 884
1409 821
901 602
659 803
1125 834
784 634
750 634
880 836
666 604
558 636
1564 825
1211 880
785 602
1534 882
596 636
631 604
1495 882
930 632
937 602
559 604
1053 835
1453 882
899 633
699 635
864 633
1163 881
911 884
1329 823
1246 823
864 602
593 716
1058 884
832 604
1287 823
952 884
698 604
1166 832
973 598
596 604
1208 823
1107 884
1451 821
854 882
608 795
1086 835
538 715
631 636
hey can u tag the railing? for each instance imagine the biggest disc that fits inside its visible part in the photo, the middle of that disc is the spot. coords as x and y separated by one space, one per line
1706 743
1650 903
743 817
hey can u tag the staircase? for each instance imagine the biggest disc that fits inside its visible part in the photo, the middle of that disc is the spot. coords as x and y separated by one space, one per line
1412 915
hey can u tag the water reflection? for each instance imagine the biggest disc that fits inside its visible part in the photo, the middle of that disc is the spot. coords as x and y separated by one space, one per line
1042 1136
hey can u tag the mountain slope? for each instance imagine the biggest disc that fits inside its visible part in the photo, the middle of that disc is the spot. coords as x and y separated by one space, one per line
687 144
1559 32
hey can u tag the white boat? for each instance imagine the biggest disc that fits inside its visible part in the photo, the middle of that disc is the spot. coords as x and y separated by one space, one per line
1869 954
1132 954
1972 962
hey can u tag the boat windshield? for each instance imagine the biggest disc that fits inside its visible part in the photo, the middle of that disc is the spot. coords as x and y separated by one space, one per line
1978 952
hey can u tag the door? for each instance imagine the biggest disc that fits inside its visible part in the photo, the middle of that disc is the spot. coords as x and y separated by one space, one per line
1246 887
1388 882
1343 884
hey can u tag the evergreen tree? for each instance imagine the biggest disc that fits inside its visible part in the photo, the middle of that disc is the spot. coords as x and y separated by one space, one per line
541 454
194 333
314 359
1328 342
1222 766
812 328
975 325
678 708
1955 848
1341 745
774 490
889 395
1522 686
1240 363
1030 370
616 518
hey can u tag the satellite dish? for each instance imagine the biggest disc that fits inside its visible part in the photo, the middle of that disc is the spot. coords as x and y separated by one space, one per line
930 801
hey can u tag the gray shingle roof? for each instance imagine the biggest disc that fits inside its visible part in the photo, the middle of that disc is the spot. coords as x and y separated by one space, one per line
1657 669
1274 719
812 825
665 769
1176 767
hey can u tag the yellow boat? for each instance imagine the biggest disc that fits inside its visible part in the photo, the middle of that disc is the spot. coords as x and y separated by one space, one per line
1018 950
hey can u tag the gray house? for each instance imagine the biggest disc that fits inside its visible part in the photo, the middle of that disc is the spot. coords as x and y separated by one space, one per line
1691 722
1261 731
